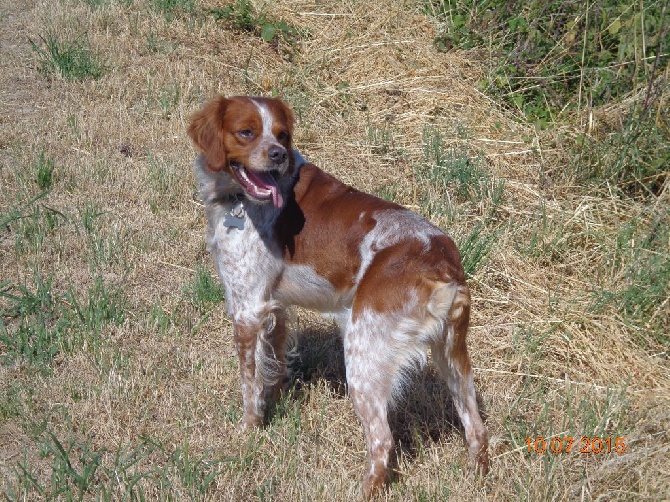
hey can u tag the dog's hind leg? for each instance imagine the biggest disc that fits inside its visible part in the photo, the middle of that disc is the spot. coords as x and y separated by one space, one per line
450 355
376 356
370 392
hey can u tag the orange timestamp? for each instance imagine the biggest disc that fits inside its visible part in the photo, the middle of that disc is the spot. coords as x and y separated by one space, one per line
585 444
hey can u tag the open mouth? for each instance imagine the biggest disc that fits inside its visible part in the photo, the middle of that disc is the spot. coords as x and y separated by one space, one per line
259 185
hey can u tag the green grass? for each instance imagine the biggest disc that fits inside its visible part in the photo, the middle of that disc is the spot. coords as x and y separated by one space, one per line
170 9
80 471
550 52
38 322
68 59
640 264
568 413
168 98
452 185
476 247
203 291
44 169
632 160
104 242
452 176
552 59
30 222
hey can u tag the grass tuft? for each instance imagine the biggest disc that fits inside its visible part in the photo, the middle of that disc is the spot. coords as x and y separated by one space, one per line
44 172
204 290
170 9
68 59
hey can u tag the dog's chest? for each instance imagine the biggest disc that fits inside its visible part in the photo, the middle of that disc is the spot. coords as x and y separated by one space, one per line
247 258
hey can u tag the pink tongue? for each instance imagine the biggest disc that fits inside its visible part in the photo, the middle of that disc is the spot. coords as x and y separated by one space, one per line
265 181
277 199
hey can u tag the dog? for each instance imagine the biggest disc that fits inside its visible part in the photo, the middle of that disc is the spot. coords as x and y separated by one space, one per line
283 232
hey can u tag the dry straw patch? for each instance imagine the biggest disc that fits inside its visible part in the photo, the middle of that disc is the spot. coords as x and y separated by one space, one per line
154 392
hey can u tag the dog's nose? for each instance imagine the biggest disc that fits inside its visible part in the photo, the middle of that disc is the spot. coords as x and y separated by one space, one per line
277 154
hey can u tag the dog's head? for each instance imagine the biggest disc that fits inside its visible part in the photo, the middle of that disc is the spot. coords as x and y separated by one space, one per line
251 139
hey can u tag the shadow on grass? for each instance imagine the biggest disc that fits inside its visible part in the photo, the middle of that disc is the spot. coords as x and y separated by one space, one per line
424 412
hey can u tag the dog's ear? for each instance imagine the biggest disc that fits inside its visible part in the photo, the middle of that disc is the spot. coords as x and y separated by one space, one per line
206 131
290 118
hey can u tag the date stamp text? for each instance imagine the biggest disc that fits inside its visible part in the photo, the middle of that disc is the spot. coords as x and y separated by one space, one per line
584 444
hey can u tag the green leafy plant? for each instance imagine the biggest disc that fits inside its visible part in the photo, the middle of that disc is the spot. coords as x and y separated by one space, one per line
242 16
548 53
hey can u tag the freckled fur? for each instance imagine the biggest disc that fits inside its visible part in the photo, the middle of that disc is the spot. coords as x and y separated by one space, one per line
393 281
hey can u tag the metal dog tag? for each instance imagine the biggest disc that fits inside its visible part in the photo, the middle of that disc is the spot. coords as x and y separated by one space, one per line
235 217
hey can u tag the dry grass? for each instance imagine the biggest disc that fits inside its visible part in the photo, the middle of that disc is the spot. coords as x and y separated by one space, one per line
150 399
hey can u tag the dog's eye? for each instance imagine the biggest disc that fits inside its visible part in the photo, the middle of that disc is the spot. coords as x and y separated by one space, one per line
282 136
246 133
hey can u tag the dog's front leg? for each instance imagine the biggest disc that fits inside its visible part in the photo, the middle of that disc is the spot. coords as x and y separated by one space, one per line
261 349
253 402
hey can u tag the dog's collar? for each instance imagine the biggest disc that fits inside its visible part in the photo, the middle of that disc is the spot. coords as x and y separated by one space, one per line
233 197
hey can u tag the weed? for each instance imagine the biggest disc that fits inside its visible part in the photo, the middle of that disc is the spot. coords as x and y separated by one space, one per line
160 320
27 329
382 142
633 160
104 246
380 139
100 306
196 472
66 475
158 44
572 412
242 16
127 469
168 98
97 3
31 224
449 176
89 218
388 192
560 56
71 60
451 169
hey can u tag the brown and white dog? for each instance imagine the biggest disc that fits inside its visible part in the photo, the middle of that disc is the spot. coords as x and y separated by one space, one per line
282 232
